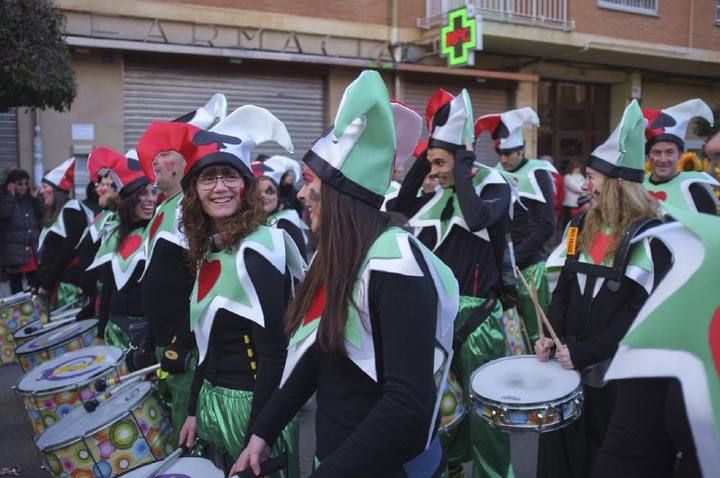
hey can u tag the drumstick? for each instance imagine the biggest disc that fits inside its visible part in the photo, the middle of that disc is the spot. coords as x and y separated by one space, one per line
165 464
103 383
541 329
542 315
91 405
271 465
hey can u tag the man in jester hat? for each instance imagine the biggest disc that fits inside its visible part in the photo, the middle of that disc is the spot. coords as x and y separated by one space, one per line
605 279
65 220
465 223
245 275
369 314
168 278
121 258
533 218
665 133
668 364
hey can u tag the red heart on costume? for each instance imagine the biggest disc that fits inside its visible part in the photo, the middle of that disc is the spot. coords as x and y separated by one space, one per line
156 224
659 195
129 245
714 338
209 273
317 306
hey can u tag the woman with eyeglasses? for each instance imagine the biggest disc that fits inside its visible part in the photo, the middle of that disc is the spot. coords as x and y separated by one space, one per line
244 280
122 257
277 216
21 210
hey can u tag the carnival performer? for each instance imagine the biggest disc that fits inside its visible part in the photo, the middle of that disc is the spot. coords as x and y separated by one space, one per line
464 222
122 257
368 315
168 278
604 281
245 278
58 275
285 219
667 419
533 218
665 133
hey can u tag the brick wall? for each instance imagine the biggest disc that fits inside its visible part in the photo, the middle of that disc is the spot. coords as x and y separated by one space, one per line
670 27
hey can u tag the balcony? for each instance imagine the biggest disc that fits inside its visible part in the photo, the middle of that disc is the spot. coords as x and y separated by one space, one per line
540 13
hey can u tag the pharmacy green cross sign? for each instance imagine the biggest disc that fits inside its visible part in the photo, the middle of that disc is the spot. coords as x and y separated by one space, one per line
458 39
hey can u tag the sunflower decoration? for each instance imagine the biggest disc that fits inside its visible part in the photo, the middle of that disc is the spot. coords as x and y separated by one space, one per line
689 162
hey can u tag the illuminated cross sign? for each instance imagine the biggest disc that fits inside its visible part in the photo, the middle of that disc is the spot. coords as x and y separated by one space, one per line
459 38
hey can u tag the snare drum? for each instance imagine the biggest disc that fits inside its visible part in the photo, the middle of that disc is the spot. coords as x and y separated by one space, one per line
32 330
54 388
452 404
521 393
125 431
190 467
59 341
16 311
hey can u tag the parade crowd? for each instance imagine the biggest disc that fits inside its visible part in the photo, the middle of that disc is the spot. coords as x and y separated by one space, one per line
433 305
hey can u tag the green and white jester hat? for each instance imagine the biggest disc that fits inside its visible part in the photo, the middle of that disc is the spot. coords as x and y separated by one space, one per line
355 155
449 120
666 341
623 154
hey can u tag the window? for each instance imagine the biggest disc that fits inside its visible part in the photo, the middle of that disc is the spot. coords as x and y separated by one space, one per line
647 7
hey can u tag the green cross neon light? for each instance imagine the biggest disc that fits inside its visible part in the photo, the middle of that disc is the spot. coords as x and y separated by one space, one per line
458 38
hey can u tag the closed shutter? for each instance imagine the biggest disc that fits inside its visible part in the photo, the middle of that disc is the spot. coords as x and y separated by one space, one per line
8 142
164 93
484 101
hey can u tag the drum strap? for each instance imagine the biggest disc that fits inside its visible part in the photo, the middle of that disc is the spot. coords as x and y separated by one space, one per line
473 322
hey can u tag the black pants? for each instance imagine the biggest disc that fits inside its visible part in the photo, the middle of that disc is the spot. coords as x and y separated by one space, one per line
16 280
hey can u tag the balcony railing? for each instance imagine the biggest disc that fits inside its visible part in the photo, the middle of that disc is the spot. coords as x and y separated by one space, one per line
542 13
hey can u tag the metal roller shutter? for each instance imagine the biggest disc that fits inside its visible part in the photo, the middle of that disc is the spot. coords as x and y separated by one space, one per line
8 142
484 100
164 93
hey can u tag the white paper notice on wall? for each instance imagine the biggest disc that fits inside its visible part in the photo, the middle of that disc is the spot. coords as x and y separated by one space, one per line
83 132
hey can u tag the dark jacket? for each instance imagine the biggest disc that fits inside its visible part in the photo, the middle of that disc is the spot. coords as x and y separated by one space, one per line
19 228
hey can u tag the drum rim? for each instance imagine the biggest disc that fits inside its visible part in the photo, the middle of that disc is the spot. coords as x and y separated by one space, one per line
56 344
474 395
79 385
17 300
89 433
577 392
38 332
127 473
74 310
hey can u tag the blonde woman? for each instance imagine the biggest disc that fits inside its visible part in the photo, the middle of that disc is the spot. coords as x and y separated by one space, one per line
605 280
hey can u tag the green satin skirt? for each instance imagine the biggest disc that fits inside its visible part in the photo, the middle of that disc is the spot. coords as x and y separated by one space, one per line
67 294
535 277
116 336
222 419
473 439
174 391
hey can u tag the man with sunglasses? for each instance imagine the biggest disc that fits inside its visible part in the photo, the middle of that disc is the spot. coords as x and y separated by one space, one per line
20 212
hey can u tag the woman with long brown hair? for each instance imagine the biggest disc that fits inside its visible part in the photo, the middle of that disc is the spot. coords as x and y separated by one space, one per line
245 274
366 318
605 280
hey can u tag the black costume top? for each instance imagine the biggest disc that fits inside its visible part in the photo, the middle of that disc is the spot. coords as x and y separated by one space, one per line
366 428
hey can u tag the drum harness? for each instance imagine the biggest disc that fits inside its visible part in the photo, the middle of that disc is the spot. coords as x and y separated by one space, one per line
593 375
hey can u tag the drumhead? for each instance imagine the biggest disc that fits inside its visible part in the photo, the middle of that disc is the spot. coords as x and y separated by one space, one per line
79 422
523 379
64 314
75 368
190 467
438 360
34 329
56 336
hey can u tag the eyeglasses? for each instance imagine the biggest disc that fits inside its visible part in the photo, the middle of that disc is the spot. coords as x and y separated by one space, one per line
208 183
270 191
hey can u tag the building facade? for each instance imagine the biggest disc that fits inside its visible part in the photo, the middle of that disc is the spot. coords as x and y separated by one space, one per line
577 62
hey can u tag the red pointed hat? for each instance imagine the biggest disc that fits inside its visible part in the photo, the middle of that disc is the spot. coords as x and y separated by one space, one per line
125 171
162 136
62 177
507 128
671 123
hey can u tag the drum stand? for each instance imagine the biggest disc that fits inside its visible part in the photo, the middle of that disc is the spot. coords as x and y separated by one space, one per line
524 453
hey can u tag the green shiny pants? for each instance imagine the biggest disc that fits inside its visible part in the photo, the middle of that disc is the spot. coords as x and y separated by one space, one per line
535 277
473 439
116 336
67 294
174 390
222 418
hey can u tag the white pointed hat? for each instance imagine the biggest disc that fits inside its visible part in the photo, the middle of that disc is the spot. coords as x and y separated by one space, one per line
507 128
208 115
671 124
449 120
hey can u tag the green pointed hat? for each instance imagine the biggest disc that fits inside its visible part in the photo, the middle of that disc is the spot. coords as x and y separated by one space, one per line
355 155
623 154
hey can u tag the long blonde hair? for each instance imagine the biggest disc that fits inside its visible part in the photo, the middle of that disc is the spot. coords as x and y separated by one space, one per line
621 203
